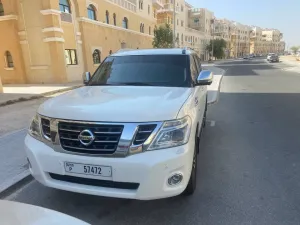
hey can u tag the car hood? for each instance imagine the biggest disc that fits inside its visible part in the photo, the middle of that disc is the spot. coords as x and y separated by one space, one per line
117 104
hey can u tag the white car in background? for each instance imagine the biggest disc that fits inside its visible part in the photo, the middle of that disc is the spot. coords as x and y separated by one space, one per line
269 56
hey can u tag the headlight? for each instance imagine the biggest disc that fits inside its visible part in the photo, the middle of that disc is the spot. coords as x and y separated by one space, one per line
173 133
34 128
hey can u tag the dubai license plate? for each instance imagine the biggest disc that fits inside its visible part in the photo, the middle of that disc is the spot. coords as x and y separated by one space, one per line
94 170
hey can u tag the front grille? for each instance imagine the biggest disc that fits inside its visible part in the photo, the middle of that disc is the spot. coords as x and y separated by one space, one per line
106 137
46 127
94 182
143 133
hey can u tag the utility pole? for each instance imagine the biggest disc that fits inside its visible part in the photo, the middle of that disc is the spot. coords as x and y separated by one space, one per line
174 24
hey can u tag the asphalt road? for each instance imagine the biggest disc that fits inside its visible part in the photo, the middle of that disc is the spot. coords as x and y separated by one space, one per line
249 162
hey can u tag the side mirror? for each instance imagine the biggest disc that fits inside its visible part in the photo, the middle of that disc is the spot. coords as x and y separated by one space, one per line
205 78
86 77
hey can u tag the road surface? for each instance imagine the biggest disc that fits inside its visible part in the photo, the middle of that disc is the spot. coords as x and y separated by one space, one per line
249 162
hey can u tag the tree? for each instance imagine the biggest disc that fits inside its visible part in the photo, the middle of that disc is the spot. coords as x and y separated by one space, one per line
295 49
163 37
219 46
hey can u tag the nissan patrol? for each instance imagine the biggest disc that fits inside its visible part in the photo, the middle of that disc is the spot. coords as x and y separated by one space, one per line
132 131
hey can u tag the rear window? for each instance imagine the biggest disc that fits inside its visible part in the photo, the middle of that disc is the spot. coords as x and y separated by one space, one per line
149 70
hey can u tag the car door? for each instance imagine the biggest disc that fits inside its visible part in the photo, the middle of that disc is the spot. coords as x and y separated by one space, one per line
199 91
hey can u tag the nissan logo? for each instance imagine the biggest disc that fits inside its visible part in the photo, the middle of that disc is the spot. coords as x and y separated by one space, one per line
86 137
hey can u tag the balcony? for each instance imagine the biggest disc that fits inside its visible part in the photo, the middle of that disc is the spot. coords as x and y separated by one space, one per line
125 4
168 8
157 3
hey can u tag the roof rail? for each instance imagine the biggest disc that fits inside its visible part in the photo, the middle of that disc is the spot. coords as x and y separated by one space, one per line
125 49
184 50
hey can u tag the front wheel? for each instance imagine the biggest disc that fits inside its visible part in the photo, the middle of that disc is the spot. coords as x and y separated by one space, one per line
191 187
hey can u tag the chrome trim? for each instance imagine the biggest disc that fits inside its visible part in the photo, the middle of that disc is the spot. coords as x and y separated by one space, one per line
125 146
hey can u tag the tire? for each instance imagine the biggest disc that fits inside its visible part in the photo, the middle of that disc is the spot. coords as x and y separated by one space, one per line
204 116
191 187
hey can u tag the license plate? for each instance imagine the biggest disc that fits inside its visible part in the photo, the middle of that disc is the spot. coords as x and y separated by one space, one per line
94 170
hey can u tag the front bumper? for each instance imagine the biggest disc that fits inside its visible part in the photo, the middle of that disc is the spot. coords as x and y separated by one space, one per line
150 170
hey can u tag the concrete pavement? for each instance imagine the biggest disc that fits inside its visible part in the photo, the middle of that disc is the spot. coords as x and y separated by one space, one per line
249 162
13 93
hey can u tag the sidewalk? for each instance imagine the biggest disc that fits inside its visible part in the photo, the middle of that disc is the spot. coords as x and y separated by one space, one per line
13 93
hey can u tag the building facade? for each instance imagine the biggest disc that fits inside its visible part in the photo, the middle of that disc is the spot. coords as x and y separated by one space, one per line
264 41
55 41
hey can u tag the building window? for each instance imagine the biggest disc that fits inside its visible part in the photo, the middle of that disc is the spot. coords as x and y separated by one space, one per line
71 56
148 9
64 6
97 57
149 30
115 19
181 38
107 17
142 28
140 4
9 60
154 13
125 23
181 8
110 52
91 12
1 9
177 21
182 23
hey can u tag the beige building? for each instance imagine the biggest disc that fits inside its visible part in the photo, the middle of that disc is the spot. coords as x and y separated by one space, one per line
55 41
264 41
223 28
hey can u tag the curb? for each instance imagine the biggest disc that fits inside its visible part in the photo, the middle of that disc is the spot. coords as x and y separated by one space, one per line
9 187
22 99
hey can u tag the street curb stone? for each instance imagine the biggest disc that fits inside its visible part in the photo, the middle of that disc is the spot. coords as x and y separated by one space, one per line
15 183
22 99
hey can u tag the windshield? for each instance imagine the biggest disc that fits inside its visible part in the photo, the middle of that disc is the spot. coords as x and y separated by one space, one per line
148 70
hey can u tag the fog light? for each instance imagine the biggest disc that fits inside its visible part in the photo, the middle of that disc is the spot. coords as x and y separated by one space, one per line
175 179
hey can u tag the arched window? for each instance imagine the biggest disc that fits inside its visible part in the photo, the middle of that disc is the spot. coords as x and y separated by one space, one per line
9 60
110 52
149 30
96 56
115 19
64 6
91 10
1 9
107 17
125 23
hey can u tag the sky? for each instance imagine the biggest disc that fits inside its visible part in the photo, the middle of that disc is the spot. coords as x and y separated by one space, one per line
283 15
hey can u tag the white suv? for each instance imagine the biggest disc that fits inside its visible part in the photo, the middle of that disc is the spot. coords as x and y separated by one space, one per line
132 132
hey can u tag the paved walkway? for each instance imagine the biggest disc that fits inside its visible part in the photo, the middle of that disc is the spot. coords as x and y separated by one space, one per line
20 92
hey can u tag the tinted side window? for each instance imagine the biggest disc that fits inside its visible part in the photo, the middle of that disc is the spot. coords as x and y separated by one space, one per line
194 71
